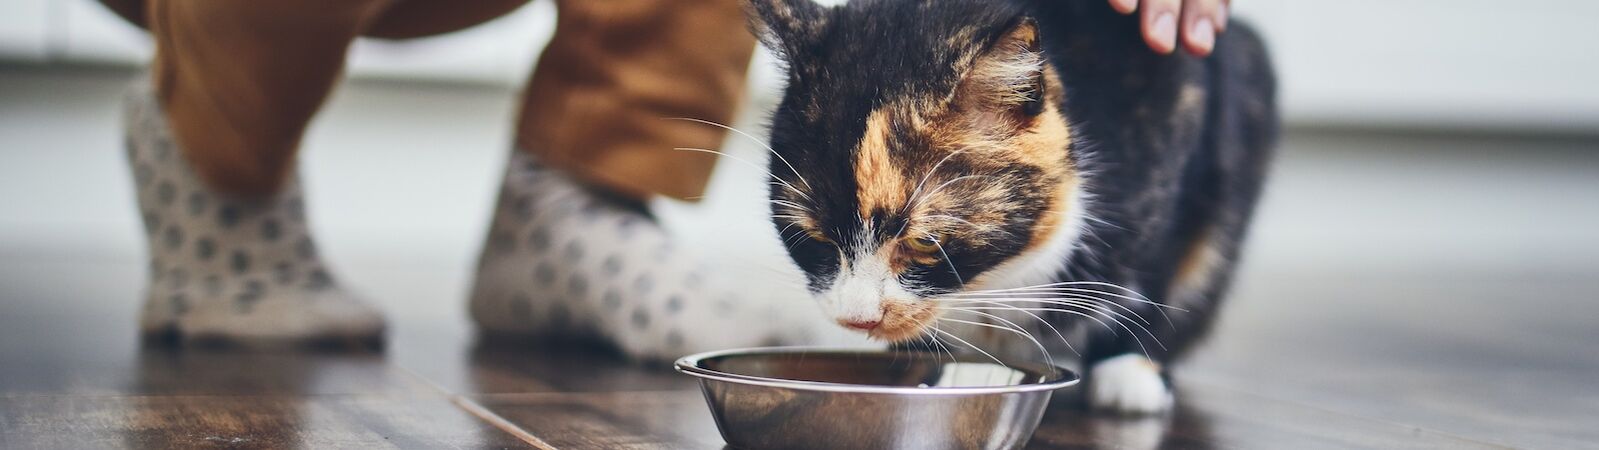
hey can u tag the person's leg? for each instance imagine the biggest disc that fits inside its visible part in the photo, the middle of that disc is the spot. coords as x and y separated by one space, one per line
211 138
572 248
421 18
240 80
598 101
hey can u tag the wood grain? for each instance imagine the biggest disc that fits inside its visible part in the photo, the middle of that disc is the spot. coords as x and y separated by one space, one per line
50 421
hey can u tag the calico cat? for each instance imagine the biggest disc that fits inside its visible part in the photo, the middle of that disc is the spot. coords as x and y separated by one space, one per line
991 175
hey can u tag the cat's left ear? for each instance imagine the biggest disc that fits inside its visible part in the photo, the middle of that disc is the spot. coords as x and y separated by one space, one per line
1009 73
788 27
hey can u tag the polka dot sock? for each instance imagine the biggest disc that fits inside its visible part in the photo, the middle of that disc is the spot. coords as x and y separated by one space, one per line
561 260
228 269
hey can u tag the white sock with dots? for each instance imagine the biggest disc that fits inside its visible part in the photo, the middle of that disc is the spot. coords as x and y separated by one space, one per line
562 260
228 269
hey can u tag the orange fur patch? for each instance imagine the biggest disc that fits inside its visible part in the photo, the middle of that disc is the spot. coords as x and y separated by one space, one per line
903 321
1200 261
970 123
880 182
1042 147
1190 98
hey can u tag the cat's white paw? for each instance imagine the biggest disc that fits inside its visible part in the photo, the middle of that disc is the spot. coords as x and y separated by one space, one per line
1129 384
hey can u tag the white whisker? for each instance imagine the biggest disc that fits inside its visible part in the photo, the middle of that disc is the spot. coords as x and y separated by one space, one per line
936 340
951 263
918 201
756 141
1057 296
1088 306
1013 327
1071 291
950 218
785 228
746 162
1118 323
1073 283
781 202
1054 286
973 347
1095 307
1041 320
929 175
798 238
990 228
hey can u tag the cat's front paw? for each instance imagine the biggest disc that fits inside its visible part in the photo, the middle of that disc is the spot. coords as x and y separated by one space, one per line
1129 384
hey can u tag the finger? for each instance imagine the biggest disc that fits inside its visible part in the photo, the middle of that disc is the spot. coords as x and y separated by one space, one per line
1223 12
1124 6
1199 26
1160 24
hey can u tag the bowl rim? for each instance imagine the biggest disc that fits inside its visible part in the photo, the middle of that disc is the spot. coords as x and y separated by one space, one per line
690 365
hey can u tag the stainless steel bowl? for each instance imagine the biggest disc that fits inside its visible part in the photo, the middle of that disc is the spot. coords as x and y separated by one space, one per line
814 398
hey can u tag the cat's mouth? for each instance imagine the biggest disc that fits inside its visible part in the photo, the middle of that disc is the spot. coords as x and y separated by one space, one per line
901 321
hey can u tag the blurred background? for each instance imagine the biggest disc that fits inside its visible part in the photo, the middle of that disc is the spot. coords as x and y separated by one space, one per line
1458 131
1437 150
1471 69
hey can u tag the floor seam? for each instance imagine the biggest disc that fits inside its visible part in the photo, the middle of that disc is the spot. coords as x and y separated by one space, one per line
484 414
503 396
481 412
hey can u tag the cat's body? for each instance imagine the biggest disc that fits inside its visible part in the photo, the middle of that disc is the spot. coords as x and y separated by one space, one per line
934 157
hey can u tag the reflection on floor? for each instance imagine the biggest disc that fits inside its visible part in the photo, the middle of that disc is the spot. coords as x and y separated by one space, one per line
1401 291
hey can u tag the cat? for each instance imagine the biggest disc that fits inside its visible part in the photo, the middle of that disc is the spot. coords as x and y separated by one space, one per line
992 175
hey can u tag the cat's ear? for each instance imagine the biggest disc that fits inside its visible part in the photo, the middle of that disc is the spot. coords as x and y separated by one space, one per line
788 27
1009 74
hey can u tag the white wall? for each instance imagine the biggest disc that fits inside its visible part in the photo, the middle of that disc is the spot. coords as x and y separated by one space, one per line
1524 65
82 31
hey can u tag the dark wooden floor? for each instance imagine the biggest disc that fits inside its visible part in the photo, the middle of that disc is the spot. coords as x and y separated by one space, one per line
1401 292
1386 363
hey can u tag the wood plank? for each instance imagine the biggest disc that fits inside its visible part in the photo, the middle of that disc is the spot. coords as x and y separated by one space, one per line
1495 358
81 422
1211 417
611 420
1208 418
524 365
71 328
170 371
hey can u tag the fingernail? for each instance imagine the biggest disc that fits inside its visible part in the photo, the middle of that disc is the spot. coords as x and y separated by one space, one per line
1165 30
1124 6
1202 36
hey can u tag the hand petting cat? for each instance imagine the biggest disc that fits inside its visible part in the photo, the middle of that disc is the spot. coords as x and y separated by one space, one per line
1196 21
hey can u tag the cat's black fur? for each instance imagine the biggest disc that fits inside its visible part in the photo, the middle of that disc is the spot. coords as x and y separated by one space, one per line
1164 177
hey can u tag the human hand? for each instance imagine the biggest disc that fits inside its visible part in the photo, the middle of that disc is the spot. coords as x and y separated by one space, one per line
1197 22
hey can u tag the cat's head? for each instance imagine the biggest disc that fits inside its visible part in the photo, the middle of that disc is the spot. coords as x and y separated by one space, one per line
920 150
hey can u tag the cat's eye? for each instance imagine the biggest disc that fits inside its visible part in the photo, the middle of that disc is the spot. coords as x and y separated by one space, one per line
923 244
1035 97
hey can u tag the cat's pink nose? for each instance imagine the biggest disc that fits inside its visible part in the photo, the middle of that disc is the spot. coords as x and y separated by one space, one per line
863 325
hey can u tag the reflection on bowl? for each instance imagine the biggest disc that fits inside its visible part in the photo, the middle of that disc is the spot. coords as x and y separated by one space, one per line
830 398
